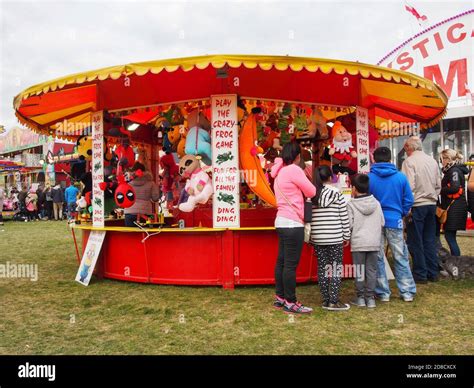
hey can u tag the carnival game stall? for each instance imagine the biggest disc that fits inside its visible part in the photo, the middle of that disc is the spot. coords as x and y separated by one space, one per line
209 129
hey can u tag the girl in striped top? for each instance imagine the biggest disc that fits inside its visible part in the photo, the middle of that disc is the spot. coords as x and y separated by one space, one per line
329 232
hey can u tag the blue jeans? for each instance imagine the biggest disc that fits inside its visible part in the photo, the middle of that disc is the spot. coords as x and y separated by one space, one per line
421 239
405 282
71 208
450 236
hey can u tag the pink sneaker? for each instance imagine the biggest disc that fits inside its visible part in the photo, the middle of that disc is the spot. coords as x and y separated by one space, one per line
278 303
296 308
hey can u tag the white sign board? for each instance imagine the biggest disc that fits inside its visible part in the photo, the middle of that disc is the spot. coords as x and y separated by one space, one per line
362 139
225 162
442 53
89 259
98 206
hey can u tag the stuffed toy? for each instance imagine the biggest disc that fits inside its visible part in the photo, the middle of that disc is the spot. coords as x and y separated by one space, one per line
84 147
272 140
174 136
198 142
84 206
109 155
197 119
167 145
301 125
341 148
272 121
181 149
125 155
198 185
124 193
170 173
318 124
177 116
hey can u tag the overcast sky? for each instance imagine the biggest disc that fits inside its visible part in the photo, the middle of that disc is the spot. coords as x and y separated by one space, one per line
44 40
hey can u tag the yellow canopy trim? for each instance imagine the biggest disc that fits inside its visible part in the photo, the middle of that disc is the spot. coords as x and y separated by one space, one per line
234 61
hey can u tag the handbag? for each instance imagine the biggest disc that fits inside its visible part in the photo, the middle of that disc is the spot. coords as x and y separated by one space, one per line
307 225
308 210
442 214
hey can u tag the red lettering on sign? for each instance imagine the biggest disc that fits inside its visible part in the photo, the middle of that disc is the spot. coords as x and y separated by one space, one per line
421 46
457 68
450 33
438 41
405 61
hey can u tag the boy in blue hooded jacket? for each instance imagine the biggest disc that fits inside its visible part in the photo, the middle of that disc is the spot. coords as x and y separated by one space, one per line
392 189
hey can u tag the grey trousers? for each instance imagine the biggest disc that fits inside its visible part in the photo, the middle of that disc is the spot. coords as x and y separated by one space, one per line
366 273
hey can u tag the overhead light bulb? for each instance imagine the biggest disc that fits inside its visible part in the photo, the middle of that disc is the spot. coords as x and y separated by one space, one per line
133 126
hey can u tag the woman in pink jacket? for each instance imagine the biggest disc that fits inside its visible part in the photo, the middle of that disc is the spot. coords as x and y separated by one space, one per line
291 184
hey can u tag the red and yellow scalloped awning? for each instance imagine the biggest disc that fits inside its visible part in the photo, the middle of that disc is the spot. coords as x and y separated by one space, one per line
388 94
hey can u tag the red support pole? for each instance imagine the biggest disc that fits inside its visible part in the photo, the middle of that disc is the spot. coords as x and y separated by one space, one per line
75 245
228 281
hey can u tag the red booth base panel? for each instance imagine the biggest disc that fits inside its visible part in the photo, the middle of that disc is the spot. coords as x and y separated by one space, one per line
198 255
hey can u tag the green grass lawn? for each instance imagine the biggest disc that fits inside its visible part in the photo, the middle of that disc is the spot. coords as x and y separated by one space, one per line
56 315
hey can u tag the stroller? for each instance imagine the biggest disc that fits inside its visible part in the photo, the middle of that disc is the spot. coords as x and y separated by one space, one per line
21 214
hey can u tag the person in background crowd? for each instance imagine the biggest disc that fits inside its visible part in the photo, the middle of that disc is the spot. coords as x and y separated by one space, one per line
329 233
40 204
290 185
58 200
424 177
70 196
392 189
2 197
21 198
14 198
453 196
64 203
48 202
366 222
145 191
31 201
470 189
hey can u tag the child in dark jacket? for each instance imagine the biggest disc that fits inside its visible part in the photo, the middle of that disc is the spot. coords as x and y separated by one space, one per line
329 231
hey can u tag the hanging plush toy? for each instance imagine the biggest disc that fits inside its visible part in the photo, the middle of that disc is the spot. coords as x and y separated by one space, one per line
125 155
84 147
341 148
272 140
198 140
174 136
170 172
318 124
198 186
181 149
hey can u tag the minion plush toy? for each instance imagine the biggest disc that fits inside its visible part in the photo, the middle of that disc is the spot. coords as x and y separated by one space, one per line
84 147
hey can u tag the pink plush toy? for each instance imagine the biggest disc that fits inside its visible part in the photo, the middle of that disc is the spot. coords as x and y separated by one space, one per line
198 186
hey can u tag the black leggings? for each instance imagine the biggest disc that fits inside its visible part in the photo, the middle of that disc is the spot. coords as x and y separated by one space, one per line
329 270
290 245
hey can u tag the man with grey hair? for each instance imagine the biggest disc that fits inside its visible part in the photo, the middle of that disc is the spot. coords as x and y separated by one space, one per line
424 177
